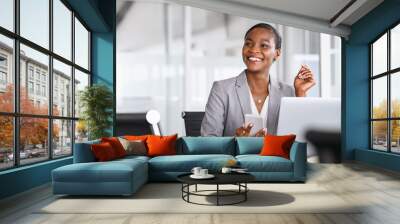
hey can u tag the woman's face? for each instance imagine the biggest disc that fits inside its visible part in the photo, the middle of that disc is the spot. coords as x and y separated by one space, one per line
259 50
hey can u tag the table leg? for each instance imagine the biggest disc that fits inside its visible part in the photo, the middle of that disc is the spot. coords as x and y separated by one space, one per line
182 190
245 193
188 190
196 188
217 194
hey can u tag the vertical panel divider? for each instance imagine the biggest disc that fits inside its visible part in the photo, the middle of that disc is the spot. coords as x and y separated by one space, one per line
16 83
50 77
389 101
73 82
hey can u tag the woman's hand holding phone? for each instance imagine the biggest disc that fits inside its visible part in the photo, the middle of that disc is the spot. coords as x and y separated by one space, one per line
244 131
261 133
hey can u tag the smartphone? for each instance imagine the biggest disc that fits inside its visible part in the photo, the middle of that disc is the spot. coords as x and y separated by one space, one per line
257 122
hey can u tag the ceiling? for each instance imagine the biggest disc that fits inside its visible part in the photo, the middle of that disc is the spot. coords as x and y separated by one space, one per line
333 17
318 9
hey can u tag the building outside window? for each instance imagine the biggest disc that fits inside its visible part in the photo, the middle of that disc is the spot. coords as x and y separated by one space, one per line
30 72
3 78
3 72
3 60
44 77
30 87
38 89
43 90
37 75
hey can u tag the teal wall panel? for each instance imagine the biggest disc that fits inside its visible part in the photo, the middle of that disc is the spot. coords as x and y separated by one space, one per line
24 178
355 77
104 52
380 159
90 13
102 59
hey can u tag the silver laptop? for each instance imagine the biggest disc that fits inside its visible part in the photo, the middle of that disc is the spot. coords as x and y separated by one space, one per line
316 121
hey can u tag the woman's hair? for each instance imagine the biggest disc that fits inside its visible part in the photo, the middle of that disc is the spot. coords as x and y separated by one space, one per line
277 37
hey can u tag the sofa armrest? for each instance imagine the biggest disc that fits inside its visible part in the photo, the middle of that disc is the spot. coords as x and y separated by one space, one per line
298 155
83 152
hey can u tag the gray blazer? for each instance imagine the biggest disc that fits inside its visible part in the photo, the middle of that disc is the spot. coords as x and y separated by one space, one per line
229 101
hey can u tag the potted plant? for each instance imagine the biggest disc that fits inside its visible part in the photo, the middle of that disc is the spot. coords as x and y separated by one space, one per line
96 102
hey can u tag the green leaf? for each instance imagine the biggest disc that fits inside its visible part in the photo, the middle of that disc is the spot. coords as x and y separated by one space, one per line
96 102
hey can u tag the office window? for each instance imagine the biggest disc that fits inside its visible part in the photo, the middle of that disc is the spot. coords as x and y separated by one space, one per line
379 98
395 47
81 81
81 45
44 132
6 142
62 137
33 140
81 132
61 75
62 29
379 55
6 72
40 62
35 21
7 14
385 94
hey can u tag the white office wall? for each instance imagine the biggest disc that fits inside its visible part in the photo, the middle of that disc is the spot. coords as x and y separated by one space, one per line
168 56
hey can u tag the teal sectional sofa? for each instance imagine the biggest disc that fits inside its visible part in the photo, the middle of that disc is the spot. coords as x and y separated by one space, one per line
125 176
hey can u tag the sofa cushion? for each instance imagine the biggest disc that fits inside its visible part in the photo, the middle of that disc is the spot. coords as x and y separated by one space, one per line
257 163
208 145
249 145
83 152
131 158
134 147
111 171
185 163
277 145
161 145
116 145
103 152
136 137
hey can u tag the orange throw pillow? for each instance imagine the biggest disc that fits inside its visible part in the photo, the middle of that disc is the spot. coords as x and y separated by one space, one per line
116 145
161 145
136 137
277 145
103 152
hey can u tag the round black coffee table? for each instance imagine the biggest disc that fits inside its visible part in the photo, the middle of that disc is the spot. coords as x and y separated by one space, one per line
238 179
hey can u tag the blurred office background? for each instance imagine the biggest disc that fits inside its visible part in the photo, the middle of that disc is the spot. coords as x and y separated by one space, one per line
168 56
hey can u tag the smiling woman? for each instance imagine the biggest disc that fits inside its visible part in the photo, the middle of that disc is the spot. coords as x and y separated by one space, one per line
253 91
